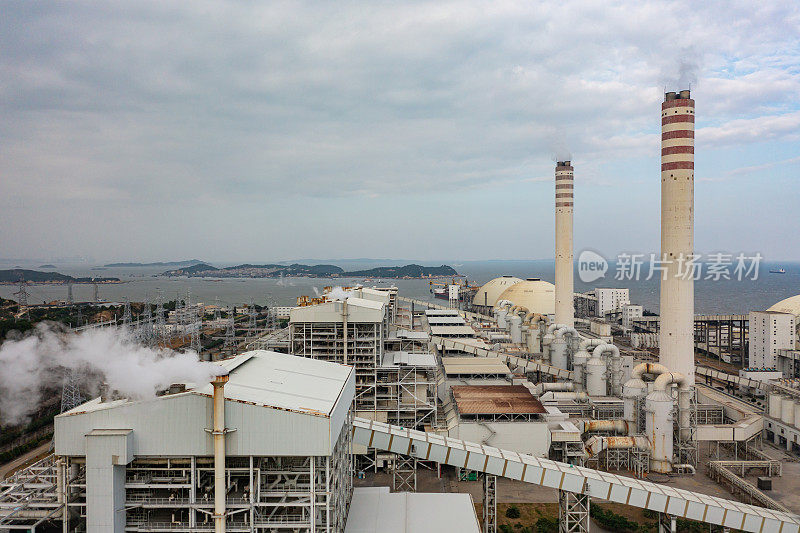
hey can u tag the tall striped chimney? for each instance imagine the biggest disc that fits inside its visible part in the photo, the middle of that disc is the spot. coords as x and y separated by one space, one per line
565 311
676 337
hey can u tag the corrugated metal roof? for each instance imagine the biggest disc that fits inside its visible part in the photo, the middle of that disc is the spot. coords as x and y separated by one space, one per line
464 331
391 359
412 335
285 381
376 510
474 365
496 399
444 320
442 312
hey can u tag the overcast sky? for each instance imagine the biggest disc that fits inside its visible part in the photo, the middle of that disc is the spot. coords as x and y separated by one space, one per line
256 131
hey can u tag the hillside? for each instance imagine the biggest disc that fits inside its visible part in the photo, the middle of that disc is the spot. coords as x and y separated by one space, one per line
190 262
257 271
407 271
34 276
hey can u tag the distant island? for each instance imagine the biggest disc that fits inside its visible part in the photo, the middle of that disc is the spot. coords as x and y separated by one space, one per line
190 262
47 266
315 271
34 276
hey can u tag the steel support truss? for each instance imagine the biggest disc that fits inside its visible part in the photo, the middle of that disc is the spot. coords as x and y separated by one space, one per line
404 474
573 512
489 503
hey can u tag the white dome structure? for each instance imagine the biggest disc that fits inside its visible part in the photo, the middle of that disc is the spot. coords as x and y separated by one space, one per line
534 294
789 305
488 294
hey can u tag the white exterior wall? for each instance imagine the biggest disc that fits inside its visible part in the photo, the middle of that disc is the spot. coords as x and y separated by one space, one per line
609 300
524 437
769 332
630 313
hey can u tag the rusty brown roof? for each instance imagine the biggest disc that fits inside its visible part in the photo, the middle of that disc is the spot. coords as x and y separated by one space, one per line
495 399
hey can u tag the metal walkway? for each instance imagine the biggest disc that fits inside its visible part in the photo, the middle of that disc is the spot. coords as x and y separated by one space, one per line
565 477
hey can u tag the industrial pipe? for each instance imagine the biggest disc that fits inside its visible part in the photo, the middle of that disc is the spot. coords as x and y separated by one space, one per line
219 452
615 364
669 378
617 426
564 386
597 444
654 369
554 395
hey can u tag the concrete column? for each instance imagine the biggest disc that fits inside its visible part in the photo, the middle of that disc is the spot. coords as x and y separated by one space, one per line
676 336
565 311
108 451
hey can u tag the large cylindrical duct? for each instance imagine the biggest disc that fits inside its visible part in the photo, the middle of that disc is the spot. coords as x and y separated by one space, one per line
612 426
565 310
676 334
220 489
614 365
597 444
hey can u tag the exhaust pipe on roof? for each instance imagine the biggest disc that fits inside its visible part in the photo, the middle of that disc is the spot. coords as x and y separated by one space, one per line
219 453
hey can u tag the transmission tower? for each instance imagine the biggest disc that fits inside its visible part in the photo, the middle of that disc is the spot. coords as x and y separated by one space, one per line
71 394
161 326
70 299
22 299
96 291
147 334
230 331
80 316
217 310
252 324
127 316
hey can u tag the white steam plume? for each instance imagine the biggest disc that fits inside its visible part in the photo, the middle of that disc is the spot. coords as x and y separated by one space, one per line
111 355
338 293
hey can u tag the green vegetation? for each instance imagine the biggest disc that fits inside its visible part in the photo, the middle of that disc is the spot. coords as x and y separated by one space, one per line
407 271
513 512
18 274
13 453
547 525
610 520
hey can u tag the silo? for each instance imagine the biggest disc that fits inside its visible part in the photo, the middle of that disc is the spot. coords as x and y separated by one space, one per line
787 410
775 406
633 389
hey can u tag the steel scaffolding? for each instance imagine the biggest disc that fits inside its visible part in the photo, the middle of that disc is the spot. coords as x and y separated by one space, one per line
489 503
573 512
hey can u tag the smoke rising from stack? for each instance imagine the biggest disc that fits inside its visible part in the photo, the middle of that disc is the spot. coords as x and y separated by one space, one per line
109 355
338 293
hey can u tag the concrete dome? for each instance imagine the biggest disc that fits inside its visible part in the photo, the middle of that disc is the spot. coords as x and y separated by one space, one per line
487 295
789 305
536 295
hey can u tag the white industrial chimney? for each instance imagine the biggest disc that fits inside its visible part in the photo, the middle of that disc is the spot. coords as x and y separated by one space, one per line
565 311
220 488
676 336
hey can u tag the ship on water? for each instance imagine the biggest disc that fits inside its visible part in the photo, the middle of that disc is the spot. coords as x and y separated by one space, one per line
778 271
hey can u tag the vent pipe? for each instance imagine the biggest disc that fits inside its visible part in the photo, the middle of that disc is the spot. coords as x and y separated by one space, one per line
220 490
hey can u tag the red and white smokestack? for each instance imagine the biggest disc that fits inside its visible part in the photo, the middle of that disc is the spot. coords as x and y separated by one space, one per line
676 337
565 310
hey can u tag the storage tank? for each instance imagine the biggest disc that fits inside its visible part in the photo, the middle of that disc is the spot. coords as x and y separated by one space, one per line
595 377
658 427
797 415
633 389
515 328
787 410
501 317
775 406
558 352
578 366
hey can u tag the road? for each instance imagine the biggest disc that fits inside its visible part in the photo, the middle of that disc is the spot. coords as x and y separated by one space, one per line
25 460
